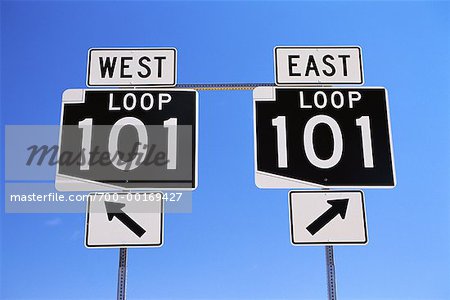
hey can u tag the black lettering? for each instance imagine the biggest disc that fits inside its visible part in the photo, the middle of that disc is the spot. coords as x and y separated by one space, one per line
150 151
330 65
344 62
146 67
292 64
45 150
160 159
93 155
66 158
107 66
311 66
134 152
105 159
160 59
124 66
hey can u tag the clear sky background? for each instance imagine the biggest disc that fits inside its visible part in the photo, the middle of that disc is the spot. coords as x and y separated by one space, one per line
235 244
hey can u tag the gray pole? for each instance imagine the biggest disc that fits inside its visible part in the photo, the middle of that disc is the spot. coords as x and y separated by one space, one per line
122 279
329 256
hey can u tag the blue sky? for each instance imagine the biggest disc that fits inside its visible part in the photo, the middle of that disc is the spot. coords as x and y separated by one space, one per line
235 244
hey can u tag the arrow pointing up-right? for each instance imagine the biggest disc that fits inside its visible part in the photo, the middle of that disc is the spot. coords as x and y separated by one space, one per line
338 207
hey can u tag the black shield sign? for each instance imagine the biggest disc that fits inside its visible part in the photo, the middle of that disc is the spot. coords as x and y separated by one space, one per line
322 137
128 139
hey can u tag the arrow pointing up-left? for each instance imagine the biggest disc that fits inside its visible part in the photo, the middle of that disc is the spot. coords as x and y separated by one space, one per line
114 209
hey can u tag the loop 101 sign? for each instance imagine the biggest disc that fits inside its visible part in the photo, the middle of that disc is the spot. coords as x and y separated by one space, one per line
322 137
128 139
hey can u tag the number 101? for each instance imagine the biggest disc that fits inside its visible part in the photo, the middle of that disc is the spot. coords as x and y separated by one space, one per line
113 140
363 122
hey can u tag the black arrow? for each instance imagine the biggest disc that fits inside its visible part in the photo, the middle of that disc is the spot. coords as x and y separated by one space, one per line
338 207
114 209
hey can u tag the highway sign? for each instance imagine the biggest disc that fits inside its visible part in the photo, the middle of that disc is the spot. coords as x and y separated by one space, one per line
132 67
112 140
315 65
322 137
327 218
118 220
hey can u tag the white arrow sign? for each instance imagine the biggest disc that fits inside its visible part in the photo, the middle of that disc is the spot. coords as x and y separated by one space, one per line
327 218
118 220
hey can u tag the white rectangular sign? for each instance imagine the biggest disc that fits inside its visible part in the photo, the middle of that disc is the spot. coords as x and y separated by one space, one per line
327 218
118 220
317 65
132 67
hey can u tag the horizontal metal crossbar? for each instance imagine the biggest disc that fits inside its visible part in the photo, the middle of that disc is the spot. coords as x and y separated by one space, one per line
222 86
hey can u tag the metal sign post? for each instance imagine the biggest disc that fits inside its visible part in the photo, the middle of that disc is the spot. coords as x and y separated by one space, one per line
331 276
327 218
122 277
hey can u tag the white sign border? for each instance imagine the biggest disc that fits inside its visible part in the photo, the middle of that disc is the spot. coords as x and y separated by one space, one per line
317 82
86 236
88 77
264 93
291 225
62 182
